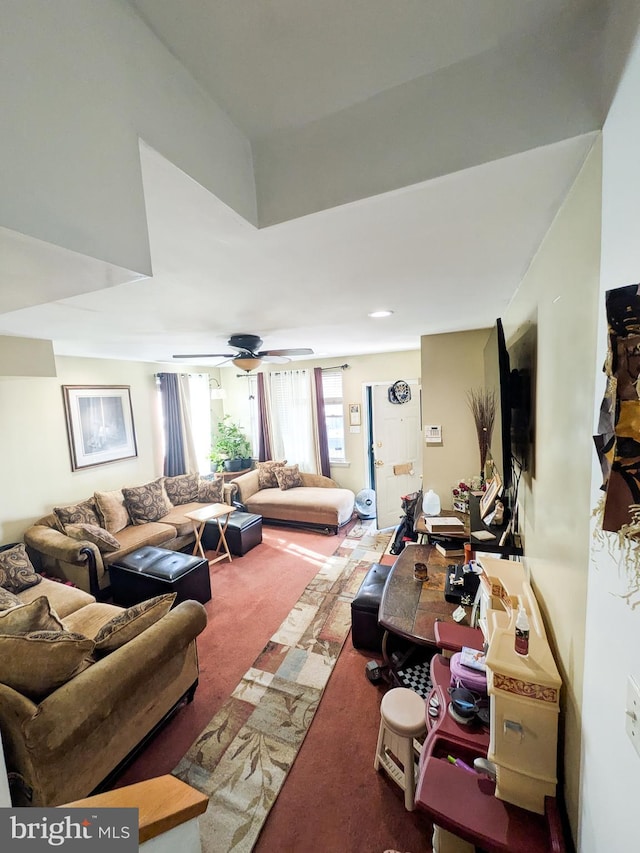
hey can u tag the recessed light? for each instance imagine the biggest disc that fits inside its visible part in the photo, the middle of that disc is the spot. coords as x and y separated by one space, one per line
377 314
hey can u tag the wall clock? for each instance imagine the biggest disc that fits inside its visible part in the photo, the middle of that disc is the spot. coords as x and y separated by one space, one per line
399 392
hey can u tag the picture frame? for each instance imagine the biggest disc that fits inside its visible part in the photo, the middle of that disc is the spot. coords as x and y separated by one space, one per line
100 425
354 414
492 491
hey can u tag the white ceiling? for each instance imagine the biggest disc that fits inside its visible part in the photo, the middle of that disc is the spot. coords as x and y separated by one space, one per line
444 254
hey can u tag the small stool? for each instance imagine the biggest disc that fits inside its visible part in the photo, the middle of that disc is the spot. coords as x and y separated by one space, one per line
402 720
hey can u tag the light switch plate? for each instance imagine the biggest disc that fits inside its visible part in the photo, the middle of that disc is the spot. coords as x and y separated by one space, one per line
632 712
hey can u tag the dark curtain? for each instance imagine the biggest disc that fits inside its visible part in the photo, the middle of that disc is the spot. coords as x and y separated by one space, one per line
174 457
264 441
323 441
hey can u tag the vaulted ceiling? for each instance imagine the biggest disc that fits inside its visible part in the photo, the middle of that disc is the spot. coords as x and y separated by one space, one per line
407 155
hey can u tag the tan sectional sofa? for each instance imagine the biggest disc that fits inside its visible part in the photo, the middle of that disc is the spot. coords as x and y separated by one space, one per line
73 709
64 544
317 503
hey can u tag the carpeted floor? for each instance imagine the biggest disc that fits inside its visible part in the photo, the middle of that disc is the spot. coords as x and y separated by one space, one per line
252 734
244 754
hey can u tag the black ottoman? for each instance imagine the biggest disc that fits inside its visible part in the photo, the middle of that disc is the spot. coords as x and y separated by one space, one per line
243 533
365 631
151 571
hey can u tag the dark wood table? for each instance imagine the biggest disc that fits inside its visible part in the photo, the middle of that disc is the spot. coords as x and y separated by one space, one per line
410 608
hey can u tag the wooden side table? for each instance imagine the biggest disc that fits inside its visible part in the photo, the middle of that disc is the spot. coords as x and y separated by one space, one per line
199 517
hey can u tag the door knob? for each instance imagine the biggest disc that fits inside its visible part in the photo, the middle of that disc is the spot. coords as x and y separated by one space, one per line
378 463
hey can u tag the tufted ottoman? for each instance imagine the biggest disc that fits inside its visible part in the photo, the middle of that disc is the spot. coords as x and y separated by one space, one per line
244 532
151 571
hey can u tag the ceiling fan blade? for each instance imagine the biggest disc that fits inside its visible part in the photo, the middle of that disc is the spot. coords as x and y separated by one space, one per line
205 355
274 359
300 351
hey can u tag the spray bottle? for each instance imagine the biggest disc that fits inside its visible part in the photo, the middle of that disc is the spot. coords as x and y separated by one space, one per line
522 632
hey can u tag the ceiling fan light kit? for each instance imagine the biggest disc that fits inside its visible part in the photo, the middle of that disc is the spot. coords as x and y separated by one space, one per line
248 358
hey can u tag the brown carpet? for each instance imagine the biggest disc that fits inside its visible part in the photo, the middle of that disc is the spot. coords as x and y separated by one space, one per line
332 799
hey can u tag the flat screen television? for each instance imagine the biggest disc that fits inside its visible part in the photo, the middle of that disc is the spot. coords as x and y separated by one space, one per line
510 374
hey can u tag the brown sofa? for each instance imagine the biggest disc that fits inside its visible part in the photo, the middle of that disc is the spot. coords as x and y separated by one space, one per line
62 743
85 562
319 503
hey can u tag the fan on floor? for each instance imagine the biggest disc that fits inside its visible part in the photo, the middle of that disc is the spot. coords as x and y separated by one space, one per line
365 504
248 355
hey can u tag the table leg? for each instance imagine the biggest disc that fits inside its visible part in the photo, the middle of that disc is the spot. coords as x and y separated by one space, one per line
222 541
198 529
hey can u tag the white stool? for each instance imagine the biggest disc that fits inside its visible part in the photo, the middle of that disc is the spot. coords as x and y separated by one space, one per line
401 720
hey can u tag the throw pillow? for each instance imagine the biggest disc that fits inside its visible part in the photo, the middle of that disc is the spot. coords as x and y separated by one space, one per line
92 533
54 657
266 473
112 510
211 491
81 513
16 570
35 616
131 622
8 600
288 477
147 503
182 489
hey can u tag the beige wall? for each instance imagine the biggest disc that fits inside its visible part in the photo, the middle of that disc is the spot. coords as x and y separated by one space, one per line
559 294
36 467
452 365
363 369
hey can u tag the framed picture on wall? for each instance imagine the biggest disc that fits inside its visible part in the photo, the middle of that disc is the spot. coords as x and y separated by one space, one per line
354 414
99 424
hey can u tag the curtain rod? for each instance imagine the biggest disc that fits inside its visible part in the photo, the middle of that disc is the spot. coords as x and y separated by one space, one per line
336 367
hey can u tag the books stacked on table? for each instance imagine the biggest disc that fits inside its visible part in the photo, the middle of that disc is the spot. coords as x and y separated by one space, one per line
445 525
448 547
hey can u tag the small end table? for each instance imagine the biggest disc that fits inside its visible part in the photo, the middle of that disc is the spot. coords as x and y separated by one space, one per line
199 517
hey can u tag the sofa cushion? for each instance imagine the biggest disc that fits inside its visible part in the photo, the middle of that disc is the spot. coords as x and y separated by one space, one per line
146 503
54 658
266 473
90 619
182 489
308 505
288 477
105 541
176 518
136 535
211 491
16 571
131 622
8 599
112 510
83 512
35 616
64 599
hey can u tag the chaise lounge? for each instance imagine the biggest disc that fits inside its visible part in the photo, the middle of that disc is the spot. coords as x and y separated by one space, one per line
294 498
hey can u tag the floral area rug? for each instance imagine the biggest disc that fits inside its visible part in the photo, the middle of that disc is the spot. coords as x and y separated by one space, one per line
242 758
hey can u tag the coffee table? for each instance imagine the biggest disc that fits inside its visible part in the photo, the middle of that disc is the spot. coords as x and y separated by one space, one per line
199 517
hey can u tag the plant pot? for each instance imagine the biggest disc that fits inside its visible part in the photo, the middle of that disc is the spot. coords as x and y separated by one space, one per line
247 463
214 467
233 464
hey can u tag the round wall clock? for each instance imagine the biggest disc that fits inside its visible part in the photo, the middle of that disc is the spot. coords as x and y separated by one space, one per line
399 392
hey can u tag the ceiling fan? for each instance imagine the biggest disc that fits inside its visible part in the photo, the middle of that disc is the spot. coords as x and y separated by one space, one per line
249 356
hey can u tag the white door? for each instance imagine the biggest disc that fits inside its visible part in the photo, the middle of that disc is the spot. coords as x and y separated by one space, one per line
397 451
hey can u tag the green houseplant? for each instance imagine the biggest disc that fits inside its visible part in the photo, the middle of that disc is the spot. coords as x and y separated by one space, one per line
231 446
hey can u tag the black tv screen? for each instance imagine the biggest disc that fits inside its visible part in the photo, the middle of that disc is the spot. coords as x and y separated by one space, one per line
510 373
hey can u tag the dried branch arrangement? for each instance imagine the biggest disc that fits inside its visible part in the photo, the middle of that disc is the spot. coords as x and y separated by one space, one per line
482 403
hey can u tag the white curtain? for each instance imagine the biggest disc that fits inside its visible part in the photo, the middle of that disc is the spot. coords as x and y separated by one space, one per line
198 414
292 404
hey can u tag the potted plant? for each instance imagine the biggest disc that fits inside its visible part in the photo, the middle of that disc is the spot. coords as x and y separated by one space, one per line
231 445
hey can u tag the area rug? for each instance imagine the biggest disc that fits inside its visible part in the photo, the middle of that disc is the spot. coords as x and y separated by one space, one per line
242 757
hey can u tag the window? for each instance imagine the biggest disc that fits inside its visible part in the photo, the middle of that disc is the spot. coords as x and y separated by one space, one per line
334 413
